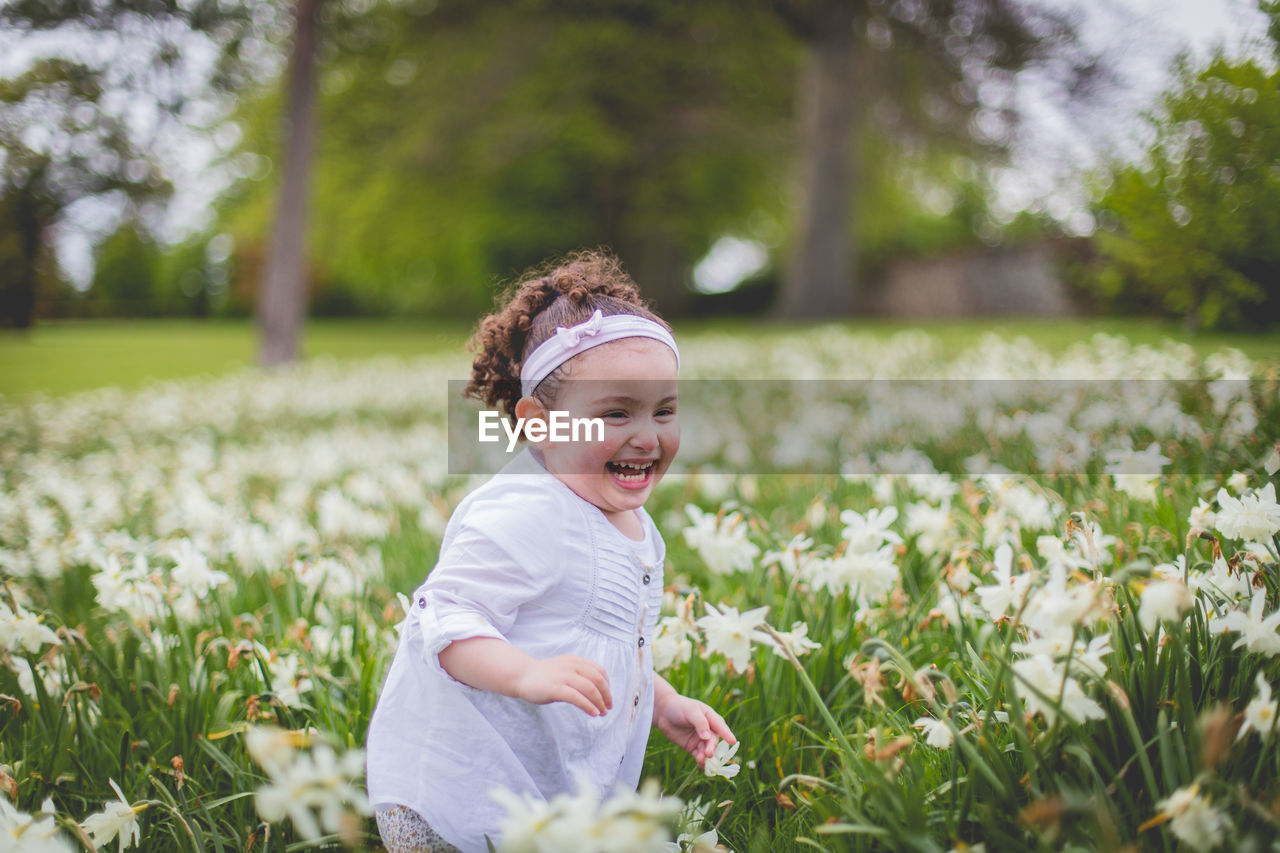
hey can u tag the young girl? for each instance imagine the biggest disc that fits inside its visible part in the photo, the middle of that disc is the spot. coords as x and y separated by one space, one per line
526 663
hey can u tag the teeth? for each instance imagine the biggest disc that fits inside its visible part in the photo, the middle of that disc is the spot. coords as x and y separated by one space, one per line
641 471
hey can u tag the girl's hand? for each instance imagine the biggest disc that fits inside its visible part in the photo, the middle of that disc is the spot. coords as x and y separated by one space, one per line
691 725
566 678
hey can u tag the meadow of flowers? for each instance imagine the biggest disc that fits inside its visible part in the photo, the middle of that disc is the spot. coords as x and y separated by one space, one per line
991 614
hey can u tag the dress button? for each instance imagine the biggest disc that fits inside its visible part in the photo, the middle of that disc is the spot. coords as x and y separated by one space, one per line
646 578
636 701
642 642
422 602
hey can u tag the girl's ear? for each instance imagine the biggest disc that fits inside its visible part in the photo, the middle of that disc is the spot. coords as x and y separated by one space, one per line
529 408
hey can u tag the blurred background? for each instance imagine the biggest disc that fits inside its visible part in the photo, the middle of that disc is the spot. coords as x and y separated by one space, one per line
397 161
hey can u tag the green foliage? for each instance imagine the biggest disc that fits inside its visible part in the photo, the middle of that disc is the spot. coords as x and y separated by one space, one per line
460 145
80 120
125 276
1192 231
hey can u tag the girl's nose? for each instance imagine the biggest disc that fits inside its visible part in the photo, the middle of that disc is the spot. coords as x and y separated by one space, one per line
645 438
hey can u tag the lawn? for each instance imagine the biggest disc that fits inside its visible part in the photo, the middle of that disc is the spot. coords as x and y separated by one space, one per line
61 357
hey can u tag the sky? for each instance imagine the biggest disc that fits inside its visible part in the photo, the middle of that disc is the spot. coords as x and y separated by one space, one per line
1137 38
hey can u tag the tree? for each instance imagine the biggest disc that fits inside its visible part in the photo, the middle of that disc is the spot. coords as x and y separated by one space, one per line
59 147
464 140
1192 230
282 300
946 65
70 128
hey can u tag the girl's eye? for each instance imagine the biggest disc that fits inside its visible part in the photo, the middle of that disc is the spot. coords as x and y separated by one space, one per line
615 414
665 413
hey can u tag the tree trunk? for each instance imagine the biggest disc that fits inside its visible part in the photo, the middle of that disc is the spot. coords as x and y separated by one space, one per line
282 300
819 280
19 264
659 268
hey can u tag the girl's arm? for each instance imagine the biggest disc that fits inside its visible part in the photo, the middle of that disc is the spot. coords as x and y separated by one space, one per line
691 725
488 663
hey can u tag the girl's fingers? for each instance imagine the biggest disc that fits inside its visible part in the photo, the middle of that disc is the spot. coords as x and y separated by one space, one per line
721 728
587 688
595 673
576 699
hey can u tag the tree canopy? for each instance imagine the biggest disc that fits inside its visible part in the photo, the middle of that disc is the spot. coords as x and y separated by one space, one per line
1191 231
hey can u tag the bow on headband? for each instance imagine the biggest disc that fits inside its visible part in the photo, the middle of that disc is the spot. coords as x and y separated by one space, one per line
570 335
569 341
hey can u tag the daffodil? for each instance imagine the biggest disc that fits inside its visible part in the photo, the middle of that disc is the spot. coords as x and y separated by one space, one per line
1260 713
1257 634
1163 600
1193 820
936 732
719 764
1252 518
116 820
731 633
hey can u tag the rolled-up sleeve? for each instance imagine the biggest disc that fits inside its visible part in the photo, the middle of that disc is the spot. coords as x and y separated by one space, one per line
486 572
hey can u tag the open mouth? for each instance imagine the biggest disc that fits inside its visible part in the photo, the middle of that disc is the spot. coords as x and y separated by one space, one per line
632 475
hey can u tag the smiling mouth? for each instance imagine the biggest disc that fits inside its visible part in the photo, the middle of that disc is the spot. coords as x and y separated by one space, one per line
635 473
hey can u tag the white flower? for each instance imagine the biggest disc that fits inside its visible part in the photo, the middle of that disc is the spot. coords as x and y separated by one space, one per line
526 816
24 833
22 629
719 763
1238 481
671 644
730 633
687 842
868 532
1233 585
1056 607
1055 554
933 527
1090 657
627 821
1253 518
272 747
796 641
1202 515
287 682
1192 820
869 575
1094 544
303 783
936 732
1039 673
721 542
192 571
1259 714
1135 471
1163 600
1272 463
793 557
115 819
1256 633
1007 591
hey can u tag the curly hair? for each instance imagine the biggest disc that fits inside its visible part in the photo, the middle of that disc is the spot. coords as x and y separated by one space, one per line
561 292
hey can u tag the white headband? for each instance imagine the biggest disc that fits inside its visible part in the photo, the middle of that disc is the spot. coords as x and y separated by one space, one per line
569 341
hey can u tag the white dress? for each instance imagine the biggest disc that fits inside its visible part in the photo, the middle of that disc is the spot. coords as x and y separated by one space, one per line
525 559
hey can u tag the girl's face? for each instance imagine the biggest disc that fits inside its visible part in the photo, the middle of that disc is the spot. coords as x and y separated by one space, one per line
630 384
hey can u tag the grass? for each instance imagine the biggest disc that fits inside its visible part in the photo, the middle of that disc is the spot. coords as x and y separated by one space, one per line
159 697
63 357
